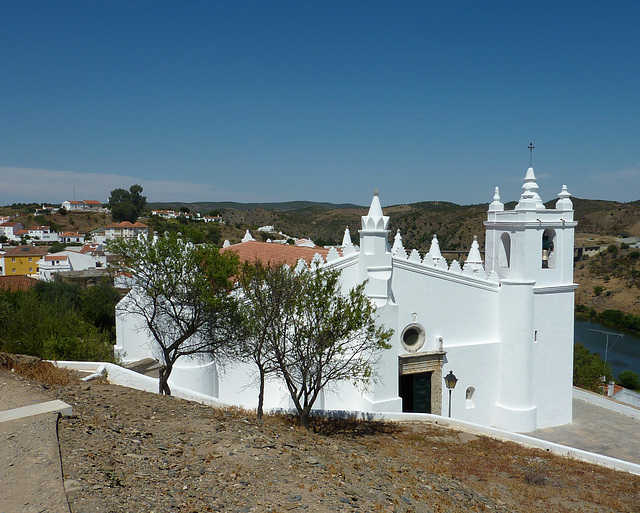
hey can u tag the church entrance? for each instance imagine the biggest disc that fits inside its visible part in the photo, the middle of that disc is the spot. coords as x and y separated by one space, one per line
415 390
420 382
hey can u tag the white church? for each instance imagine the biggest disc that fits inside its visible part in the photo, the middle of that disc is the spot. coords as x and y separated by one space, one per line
504 326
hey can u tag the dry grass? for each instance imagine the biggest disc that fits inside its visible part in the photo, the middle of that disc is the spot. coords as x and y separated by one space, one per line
36 369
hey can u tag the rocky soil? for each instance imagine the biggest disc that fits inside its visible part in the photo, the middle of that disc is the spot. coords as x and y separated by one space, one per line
125 450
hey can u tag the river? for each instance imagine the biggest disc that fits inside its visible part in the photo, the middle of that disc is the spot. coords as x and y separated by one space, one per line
624 352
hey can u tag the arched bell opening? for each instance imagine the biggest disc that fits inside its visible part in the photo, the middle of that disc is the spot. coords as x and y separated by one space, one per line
548 249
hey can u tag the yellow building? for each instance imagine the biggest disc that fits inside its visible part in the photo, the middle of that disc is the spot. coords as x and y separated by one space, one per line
22 260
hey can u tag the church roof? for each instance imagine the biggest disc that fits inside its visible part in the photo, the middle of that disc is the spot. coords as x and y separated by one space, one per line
270 253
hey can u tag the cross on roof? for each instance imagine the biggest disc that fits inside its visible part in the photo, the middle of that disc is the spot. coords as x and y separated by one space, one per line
531 147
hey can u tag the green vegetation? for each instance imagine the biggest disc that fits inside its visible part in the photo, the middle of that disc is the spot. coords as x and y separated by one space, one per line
59 321
197 232
182 296
302 328
613 318
629 379
126 205
589 369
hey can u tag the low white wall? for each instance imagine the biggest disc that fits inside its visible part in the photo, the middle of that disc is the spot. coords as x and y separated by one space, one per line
128 378
606 402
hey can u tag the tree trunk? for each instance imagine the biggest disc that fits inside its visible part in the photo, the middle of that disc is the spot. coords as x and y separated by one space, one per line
164 381
261 394
304 418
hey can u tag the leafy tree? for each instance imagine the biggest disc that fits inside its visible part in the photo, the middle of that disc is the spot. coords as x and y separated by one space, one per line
629 379
126 205
267 306
181 293
589 369
310 334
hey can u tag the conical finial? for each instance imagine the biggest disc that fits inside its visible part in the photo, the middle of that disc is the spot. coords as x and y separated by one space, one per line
496 204
346 240
530 199
434 250
248 237
375 219
397 243
564 203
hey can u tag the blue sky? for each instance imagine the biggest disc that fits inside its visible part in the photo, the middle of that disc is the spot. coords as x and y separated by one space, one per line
323 101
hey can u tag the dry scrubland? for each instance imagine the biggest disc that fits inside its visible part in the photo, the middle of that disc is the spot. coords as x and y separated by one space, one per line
126 450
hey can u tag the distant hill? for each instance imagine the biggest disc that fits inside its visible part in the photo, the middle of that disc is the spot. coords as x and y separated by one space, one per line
455 225
208 206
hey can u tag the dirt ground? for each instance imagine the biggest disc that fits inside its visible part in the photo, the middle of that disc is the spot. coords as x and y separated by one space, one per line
126 450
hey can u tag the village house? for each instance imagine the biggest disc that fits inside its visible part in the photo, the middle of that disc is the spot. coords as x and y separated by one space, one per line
10 229
503 325
42 234
71 238
82 206
22 260
66 261
125 230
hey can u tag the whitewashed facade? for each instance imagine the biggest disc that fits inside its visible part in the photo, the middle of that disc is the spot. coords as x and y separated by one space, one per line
503 326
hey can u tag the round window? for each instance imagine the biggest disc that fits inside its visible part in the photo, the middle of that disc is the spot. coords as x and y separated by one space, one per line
413 337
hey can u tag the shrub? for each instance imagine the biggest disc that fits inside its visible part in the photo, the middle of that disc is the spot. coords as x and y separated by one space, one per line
629 379
613 249
597 290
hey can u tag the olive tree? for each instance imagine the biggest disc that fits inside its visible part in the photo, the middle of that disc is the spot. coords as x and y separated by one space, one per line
306 331
181 293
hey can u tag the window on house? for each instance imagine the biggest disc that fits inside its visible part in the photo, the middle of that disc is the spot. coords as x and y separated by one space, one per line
30 259
30 269
13 260
13 270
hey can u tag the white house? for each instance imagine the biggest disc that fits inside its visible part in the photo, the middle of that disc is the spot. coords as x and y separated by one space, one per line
125 230
503 326
82 206
42 233
9 229
66 261
71 238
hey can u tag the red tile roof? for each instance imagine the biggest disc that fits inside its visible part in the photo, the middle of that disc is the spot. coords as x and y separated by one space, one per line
26 251
92 202
71 234
51 258
127 224
19 282
272 253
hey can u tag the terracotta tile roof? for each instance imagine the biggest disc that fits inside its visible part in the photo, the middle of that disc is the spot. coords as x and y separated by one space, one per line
39 228
73 202
22 232
19 282
51 258
269 252
71 234
92 202
88 248
9 223
127 224
27 250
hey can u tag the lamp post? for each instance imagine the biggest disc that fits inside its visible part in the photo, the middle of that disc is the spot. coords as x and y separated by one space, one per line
450 380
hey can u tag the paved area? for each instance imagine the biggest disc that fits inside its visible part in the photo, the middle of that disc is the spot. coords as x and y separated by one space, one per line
598 430
30 471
